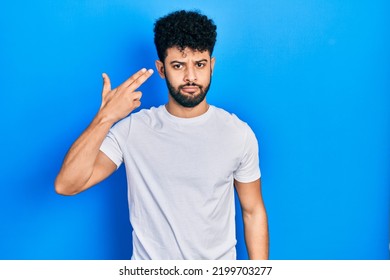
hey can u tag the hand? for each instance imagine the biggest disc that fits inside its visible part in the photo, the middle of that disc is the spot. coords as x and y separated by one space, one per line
119 102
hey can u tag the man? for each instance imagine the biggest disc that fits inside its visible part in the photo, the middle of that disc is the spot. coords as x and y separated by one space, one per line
182 159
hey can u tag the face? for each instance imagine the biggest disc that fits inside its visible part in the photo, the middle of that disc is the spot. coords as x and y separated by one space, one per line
187 74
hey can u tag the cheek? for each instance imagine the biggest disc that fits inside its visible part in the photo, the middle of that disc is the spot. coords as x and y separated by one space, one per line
174 79
205 76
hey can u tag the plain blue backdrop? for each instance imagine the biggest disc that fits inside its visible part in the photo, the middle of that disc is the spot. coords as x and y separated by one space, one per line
311 77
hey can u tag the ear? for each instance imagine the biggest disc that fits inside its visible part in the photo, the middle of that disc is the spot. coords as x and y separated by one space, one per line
160 68
212 64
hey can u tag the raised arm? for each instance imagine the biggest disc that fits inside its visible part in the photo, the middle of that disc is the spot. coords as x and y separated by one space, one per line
255 219
85 165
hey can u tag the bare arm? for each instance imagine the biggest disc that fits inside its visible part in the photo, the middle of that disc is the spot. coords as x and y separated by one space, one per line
85 165
255 219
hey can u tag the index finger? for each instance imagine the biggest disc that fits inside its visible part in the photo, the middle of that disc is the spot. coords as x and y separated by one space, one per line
134 77
140 80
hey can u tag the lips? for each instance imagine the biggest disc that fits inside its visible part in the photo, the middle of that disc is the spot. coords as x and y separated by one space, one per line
190 89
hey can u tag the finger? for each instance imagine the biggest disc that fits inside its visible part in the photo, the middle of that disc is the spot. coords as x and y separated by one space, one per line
106 83
141 79
137 95
129 81
136 104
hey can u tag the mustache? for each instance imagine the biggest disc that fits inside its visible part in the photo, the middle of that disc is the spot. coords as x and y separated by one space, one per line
190 84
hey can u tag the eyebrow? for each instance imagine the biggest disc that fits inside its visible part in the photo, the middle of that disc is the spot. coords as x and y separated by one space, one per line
181 62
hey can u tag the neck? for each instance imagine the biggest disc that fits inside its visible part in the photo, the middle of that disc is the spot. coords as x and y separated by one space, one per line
179 111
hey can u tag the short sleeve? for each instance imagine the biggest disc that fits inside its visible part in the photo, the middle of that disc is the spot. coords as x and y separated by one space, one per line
113 143
249 168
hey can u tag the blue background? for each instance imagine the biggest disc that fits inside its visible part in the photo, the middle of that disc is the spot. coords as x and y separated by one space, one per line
311 77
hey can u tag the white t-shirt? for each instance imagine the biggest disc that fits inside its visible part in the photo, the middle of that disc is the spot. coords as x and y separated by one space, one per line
180 175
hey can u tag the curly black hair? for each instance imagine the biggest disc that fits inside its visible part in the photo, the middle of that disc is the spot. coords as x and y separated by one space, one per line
184 29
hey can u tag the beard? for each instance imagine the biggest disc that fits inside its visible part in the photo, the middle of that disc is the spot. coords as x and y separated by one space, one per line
188 100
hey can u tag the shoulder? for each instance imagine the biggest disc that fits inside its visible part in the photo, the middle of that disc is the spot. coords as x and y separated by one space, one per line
145 116
230 120
142 117
232 126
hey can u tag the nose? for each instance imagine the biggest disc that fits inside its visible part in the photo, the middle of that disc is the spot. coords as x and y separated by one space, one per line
190 75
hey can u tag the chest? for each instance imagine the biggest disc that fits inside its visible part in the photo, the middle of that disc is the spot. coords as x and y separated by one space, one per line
196 154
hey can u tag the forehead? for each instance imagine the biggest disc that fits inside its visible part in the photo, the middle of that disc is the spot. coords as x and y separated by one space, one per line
176 53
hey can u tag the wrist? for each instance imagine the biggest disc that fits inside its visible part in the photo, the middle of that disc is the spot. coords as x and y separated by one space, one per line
103 119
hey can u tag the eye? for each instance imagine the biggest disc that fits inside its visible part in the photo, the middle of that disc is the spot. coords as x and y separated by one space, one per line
200 64
177 66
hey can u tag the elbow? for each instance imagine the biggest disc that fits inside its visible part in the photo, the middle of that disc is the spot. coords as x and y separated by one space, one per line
257 213
63 189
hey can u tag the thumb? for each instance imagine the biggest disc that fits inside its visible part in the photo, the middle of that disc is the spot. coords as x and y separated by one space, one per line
106 84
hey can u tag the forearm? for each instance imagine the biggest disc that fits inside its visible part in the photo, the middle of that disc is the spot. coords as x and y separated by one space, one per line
256 234
78 164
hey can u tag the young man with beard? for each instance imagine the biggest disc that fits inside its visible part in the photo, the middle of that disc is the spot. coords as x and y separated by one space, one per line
182 159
